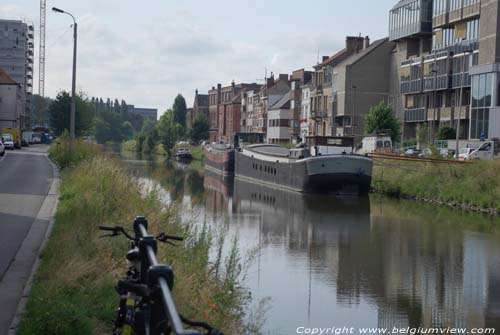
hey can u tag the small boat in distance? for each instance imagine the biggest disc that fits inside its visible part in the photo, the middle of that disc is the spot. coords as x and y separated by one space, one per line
183 154
321 165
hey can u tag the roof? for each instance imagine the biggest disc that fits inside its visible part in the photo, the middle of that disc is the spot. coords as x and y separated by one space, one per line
338 57
5 79
282 103
403 3
201 99
358 56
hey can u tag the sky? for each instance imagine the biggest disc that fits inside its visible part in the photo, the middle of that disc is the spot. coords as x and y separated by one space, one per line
146 52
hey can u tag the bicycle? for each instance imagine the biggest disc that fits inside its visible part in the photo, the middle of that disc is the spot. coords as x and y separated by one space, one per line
146 304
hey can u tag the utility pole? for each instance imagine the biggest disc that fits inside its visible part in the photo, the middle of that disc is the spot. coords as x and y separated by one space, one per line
462 82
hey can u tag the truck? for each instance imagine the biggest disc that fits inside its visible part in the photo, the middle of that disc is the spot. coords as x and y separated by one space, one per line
28 136
477 149
14 132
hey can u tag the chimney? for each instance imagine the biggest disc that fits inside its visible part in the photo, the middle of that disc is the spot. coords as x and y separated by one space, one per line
354 44
270 80
196 92
233 83
283 77
324 59
367 42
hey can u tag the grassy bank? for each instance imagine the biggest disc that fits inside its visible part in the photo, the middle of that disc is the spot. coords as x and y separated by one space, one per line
470 186
196 151
73 290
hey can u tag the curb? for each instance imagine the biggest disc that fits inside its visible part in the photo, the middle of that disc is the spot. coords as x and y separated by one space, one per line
51 208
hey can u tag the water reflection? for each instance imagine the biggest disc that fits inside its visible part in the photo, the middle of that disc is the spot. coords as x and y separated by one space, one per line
329 261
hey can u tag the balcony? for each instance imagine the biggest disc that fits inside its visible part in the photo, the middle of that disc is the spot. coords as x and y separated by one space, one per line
439 20
455 15
318 114
415 115
472 10
462 113
432 83
460 80
411 86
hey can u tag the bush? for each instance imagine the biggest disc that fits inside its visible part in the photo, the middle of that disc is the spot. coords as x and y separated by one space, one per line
66 153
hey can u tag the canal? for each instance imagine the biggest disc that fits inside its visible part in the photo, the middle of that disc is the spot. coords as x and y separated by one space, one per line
325 261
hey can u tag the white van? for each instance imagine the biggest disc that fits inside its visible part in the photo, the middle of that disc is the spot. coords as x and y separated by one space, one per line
371 144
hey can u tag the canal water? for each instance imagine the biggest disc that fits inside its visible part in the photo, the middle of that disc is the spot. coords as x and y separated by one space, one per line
325 261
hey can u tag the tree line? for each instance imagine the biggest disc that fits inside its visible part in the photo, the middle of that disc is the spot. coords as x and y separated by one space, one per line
111 121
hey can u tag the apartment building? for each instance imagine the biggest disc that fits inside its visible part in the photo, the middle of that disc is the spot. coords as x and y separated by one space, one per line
16 59
305 114
346 85
224 109
447 54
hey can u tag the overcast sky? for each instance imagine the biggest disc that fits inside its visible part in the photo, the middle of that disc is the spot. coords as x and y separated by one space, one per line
148 51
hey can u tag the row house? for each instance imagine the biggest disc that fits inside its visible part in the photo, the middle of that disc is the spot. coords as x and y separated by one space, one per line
257 100
345 86
224 109
200 108
447 57
299 80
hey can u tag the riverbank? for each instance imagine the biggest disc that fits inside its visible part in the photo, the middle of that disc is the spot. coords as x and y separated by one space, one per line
73 291
471 187
196 150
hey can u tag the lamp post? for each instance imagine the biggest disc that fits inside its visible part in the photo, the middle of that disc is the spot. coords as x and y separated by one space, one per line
466 53
73 85
435 72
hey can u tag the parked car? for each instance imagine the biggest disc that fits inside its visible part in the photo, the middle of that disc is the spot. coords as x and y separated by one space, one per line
24 142
412 153
8 141
2 147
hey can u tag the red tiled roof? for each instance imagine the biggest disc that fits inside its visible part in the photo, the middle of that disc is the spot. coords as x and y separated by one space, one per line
334 57
5 79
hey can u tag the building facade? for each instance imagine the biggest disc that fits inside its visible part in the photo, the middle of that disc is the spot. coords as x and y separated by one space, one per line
11 102
151 113
200 107
345 86
224 110
447 53
16 59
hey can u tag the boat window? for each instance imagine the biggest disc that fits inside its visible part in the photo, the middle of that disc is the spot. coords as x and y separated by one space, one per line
380 144
387 144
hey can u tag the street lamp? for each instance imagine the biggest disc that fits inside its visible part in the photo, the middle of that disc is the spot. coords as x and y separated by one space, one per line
466 53
73 86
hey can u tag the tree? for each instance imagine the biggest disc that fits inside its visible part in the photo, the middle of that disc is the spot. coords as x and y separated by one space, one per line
200 129
169 131
423 134
127 130
59 111
446 133
381 118
147 137
179 110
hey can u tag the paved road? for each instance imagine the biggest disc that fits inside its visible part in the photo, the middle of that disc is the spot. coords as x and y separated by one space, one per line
25 179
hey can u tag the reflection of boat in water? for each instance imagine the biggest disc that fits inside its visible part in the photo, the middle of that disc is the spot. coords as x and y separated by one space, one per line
323 210
221 184
183 155
325 165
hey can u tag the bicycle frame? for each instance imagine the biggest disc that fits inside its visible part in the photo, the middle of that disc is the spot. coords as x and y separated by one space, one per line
159 279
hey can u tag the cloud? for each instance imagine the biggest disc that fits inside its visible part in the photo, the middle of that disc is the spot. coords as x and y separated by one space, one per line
149 61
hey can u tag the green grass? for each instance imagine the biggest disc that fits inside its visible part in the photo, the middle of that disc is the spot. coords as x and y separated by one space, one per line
476 184
73 288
